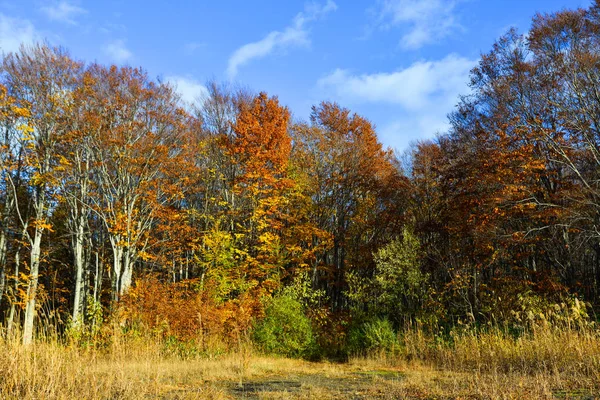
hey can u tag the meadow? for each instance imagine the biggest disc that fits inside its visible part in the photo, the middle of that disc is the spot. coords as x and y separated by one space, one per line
546 363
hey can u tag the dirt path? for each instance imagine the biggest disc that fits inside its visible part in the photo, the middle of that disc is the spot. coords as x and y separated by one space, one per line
278 378
355 385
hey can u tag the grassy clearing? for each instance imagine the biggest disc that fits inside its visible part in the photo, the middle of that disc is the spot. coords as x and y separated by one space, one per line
545 363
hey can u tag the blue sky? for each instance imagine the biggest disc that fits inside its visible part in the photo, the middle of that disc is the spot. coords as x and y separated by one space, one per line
399 63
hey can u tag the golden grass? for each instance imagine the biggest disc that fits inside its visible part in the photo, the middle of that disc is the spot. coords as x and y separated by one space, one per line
545 363
544 349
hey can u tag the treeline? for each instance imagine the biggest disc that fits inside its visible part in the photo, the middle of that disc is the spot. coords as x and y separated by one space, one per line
228 216
105 177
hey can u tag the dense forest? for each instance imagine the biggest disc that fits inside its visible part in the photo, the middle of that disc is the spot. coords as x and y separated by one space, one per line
227 218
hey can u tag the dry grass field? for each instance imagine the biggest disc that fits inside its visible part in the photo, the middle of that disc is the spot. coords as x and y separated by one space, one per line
547 363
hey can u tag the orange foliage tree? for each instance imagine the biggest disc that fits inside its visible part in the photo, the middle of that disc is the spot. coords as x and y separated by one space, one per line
139 163
261 149
357 191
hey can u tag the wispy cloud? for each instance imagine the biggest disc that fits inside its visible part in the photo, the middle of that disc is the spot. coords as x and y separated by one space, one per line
117 51
63 11
191 47
412 87
424 93
295 35
188 88
14 32
112 28
422 21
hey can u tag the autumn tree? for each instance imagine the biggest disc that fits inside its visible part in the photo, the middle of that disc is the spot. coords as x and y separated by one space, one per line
137 160
12 117
261 148
358 192
43 77
74 175
513 177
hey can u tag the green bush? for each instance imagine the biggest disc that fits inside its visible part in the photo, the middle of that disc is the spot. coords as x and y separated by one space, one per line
87 330
285 330
372 337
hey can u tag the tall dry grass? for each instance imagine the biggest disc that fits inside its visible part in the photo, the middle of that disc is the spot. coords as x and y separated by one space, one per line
549 357
52 371
552 343
545 349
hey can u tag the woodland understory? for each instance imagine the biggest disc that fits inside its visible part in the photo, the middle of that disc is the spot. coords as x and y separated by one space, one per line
134 226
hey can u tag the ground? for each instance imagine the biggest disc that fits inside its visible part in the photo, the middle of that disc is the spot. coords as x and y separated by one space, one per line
125 371
278 378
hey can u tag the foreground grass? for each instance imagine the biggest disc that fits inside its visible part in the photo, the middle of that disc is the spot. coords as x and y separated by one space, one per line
547 363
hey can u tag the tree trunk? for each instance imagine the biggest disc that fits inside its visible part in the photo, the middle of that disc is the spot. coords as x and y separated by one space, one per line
3 249
32 287
117 267
122 267
2 283
8 206
78 250
78 253
126 279
15 289
97 279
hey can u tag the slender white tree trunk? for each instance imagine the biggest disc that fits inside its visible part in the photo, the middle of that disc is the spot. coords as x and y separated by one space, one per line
78 250
2 283
117 267
32 287
3 249
97 278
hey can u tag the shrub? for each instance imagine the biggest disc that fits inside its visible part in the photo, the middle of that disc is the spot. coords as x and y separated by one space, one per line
161 309
87 331
372 337
285 330
398 289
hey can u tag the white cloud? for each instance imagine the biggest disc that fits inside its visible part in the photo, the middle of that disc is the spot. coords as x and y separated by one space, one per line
413 87
424 21
295 35
191 47
14 32
425 92
188 88
117 51
315 10
292 36
400 132
63 11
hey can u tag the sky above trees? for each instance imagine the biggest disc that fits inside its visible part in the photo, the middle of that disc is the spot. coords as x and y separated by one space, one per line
400 63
